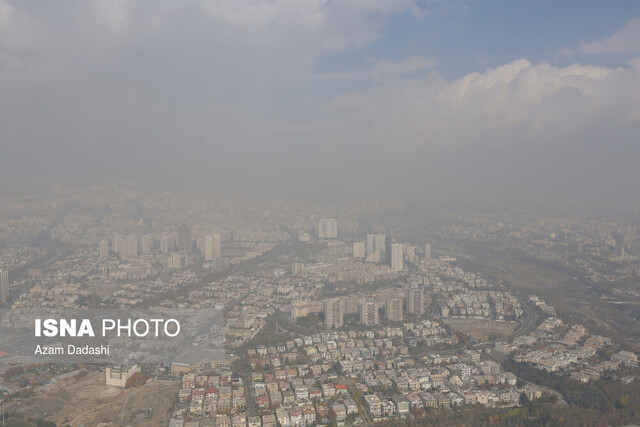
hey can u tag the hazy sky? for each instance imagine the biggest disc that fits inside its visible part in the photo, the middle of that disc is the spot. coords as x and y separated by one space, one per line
324 98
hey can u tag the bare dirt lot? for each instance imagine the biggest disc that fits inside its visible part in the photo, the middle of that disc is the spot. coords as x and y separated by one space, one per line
89 401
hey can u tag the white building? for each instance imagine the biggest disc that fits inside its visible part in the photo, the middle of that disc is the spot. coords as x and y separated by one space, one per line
358 249
212 247
397 256
374 405
118 376
104 248
4 286
177 260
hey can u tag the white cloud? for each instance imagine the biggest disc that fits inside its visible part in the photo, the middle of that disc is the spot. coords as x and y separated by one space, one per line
311 27
153 81
510 104
627 40
250 44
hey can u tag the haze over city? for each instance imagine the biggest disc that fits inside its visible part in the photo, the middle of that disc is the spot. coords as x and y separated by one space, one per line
301 213
324 99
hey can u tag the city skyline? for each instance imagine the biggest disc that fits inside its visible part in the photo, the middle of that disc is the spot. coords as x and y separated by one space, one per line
293 312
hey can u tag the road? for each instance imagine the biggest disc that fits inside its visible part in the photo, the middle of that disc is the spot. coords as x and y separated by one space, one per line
249 394
246 267
20 273
123 412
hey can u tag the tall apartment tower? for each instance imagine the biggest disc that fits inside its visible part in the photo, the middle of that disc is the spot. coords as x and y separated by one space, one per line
334 313
212 247
427 251
217 245
358 250
371 243
328 228
184 239
393 309
104 248
147 243
369 313
167 243
410 253
127 246
627 240
378 249
297 268
376 243
415 302
4 286
208 247
116 240
397 257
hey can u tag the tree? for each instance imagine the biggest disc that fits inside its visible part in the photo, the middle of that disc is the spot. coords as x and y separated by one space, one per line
136 380
333 419
13 372
623 400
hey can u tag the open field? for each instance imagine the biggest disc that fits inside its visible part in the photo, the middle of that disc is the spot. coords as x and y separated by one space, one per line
480 329
89 401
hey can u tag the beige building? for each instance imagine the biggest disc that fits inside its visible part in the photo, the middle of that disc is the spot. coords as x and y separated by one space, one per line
118 376
394 309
